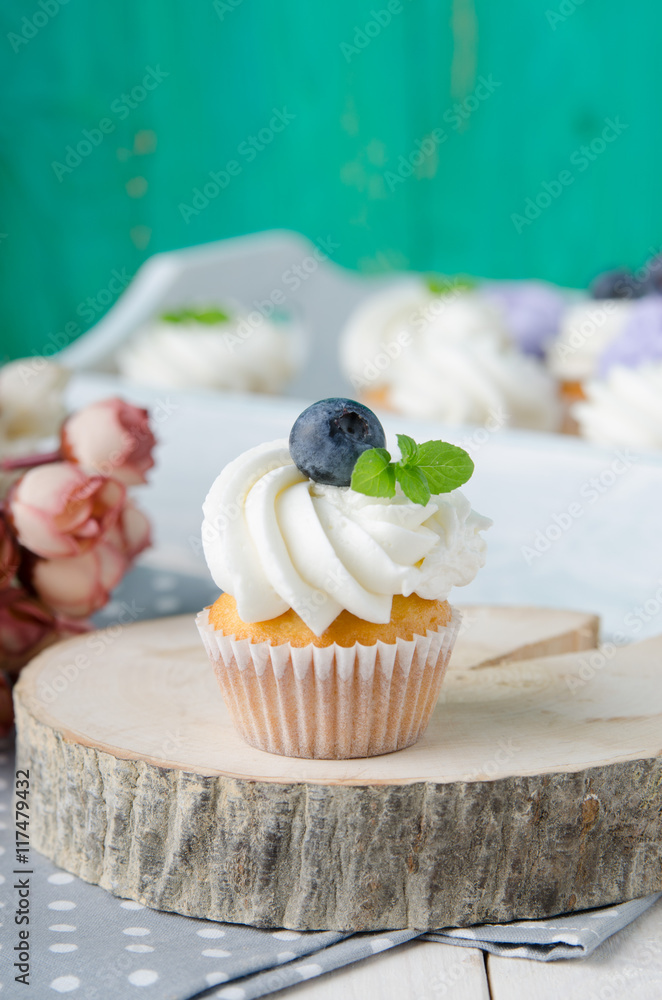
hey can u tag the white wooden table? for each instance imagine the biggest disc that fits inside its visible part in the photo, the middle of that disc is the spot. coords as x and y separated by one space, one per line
603 563
628 966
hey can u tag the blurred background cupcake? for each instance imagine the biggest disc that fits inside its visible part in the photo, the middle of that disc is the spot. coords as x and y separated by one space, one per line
591 325
214 347
622 404
448 348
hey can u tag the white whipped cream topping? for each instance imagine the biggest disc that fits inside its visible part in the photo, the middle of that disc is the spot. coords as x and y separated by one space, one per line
247 354
587 328
403 310
275 540
447 358
473 382
624 409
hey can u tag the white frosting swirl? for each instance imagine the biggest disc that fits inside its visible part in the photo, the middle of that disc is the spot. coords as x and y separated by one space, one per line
249 353
446 358
624 409
586 329
472 382
406 308
276 540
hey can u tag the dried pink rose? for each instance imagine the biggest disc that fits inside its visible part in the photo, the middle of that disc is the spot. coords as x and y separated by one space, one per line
27 627
59 510
77 586
131 534
9 554
24 626
6 706
110 438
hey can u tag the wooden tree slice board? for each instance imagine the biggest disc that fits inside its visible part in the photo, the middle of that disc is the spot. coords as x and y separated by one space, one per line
535 790
490 635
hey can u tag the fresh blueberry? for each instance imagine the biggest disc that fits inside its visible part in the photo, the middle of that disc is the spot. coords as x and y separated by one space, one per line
328 437
653 279
617 284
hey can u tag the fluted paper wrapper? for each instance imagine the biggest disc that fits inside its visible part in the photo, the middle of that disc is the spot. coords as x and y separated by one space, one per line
330 702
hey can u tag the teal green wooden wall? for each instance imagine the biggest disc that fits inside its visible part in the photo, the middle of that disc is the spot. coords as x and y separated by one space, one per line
561 70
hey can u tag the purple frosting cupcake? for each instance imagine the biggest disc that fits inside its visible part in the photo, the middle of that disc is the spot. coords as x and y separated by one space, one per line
531 309
640 339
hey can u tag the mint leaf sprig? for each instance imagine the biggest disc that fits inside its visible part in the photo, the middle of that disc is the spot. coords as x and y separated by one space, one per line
207 316
423 469
442 284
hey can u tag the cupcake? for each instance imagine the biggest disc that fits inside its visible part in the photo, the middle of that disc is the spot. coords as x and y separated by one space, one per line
333 631
214 348
624 409
587 329
442 350
622 405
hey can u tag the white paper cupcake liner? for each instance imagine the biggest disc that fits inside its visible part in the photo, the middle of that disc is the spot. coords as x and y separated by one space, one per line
330 702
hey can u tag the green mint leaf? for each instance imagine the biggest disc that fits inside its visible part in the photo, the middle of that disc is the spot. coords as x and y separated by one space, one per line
374 474
408 449
206 316
413 482
424 469
442 284
211 316
444 465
